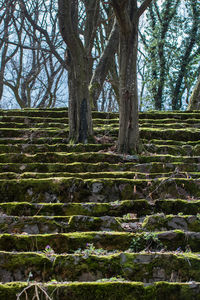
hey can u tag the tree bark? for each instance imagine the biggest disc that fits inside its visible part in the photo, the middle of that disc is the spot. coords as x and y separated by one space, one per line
128 139
80 125
194 103
128 15
101 70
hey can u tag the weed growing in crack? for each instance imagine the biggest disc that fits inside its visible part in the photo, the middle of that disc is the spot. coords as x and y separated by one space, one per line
91 250
146 242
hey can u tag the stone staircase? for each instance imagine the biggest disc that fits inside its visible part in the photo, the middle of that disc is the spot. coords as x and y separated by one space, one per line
82 222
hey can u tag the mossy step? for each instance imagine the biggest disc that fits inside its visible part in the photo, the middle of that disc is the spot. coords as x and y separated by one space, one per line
186 150
170 222
145 267
58 224
173 149
92 157
50 113
27 120
178 115
28 124
170 125
77 167
95 175
110 289
38 123
44 140
118 208
101 242
31 133
62 112
59 140
36 148
101 190
165 142
189 134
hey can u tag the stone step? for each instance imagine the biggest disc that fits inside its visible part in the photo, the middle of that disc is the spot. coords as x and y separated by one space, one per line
139 208
56 123
169 222
95 175
38 148
110 288
96 190
128 223
100 243
172 134
185 150
145 267
102 140
165 142
93 157
179 115
57 224
189 134
80 167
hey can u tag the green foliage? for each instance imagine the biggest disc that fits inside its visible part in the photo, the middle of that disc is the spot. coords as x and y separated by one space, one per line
91 250
146 242
171 45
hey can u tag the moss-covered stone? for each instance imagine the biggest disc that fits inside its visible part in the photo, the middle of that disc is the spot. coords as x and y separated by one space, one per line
106 290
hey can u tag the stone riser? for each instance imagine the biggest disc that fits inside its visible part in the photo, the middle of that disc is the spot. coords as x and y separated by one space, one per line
106 290
92 157
145 267
112 241
140 208
145 133
57 224
185 150
102 190
76 167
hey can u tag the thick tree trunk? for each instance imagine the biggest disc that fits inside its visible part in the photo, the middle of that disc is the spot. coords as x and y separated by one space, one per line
128 140
195 97
80 119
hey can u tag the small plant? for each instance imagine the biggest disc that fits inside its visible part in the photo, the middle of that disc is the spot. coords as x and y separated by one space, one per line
147 242
72 142
48 251
112 279
129 216
91 250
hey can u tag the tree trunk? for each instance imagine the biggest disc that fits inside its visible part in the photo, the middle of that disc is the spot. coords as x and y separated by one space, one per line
80 119
195 97
103 66
128 139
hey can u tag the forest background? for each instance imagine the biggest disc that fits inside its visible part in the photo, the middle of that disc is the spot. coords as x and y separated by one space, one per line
33 54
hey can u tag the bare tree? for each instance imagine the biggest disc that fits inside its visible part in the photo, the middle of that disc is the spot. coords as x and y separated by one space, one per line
28 67
128 14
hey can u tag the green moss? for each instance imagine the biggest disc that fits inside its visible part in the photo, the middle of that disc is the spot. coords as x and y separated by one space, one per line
108 290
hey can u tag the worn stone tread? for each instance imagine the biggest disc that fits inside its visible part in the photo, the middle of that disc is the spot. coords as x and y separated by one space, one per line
117 208
146 267
101 242
74 189
113 289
